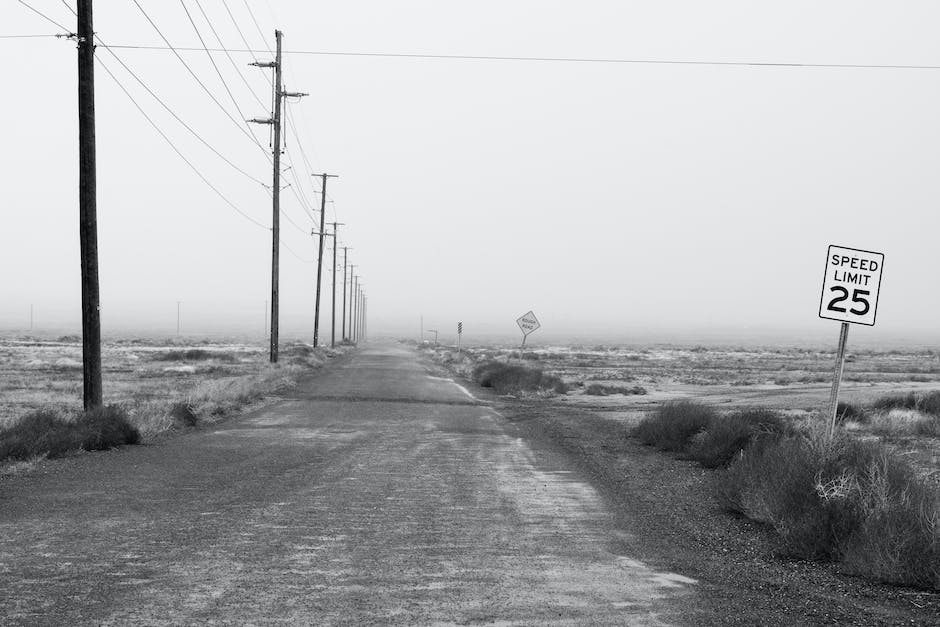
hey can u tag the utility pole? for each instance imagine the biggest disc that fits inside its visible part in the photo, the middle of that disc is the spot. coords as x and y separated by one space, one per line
178 317
88 208
359 314
275 120
355 305
336 226
352 281
316 315
345 254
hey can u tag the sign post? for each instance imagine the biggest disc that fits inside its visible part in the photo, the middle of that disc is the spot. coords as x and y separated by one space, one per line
459 333
528 323
850 289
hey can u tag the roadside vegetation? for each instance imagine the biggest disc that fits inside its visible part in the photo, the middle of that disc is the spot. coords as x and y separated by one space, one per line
860 503
510 378
601 389
49 434
150 392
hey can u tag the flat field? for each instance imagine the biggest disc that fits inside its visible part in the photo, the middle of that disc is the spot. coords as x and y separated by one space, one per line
147 377
623 383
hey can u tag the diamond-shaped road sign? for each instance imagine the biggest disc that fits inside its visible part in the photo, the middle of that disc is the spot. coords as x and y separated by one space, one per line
528 323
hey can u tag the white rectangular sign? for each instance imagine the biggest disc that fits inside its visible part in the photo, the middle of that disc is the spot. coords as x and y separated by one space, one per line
528 323
850 285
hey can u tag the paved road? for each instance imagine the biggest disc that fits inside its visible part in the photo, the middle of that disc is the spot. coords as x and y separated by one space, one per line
376 493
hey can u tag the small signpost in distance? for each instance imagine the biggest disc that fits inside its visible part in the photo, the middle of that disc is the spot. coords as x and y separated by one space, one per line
528 323
850 289
459 333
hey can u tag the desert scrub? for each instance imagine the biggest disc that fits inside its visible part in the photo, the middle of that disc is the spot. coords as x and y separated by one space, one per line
674 424
510 378
600 389
851 501
194 354
725 437
53 435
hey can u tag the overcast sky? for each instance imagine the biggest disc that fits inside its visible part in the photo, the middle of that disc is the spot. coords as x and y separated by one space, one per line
608 197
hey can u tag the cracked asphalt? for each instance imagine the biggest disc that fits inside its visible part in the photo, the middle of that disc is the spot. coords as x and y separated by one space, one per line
376 492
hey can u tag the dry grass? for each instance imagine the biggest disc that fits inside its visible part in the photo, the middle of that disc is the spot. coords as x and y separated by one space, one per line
151 382
856 502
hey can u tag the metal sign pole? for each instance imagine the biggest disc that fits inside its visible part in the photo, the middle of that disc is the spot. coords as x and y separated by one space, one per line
837 380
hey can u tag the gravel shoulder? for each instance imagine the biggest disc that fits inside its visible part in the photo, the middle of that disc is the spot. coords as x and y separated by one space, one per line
668 517
678 525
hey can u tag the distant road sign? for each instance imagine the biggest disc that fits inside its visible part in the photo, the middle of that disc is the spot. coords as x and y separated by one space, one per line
528 323
851 285
459 328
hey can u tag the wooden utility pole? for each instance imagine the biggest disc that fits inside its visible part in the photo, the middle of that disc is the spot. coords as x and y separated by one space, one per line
354 295
336 226
352 279
345 254
316 315
88 209
275 119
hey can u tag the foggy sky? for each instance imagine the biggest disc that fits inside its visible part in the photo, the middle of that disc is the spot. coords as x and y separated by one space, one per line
608 198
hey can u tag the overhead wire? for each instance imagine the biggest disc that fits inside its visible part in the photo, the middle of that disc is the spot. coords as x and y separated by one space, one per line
225 111
177 150
29 36
43 15
228 55
217 70
173 113
257 26
237 27
600 60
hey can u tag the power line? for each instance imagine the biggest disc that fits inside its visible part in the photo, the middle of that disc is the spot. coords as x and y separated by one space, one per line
623 61
29 36
291 251
177 150
198 80
174 114
260 32
216 68
228 55
237 27
43 16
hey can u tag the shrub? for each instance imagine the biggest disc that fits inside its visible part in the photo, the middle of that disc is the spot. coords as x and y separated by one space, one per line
599 389
509 378
183 413
853 501
106 427
848 411
674 424
193 354
929 403
46 433
725 437
896 401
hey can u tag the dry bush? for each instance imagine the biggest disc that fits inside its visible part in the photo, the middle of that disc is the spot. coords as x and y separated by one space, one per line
905 422
510 378
726 436
852 501
51 434
600 389
674 424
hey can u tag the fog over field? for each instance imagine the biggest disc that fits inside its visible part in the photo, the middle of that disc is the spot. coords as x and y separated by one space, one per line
644 201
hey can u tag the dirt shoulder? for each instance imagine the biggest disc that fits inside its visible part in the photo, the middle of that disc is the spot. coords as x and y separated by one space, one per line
672 521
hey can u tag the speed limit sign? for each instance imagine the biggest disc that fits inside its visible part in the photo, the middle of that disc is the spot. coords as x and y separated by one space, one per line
851 284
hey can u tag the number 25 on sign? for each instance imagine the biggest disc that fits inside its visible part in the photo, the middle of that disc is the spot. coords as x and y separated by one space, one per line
849 295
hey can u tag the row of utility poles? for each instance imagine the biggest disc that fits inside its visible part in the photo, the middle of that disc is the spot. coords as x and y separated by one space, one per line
356 325
88 223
